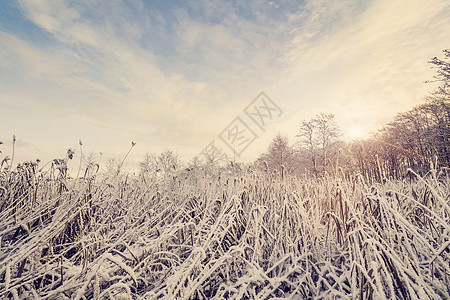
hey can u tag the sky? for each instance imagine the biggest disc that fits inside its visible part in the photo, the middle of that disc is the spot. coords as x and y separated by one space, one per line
181 74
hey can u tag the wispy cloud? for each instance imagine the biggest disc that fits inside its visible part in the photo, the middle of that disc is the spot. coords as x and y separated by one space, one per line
159 71
374 57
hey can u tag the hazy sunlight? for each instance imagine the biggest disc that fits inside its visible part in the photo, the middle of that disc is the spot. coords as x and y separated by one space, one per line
355 132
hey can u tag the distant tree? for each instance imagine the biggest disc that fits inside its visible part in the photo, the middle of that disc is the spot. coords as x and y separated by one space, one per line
91 164
328 133
308 143
168 162
111 166
443 72
438 105
149 164
415 138
279 153
317 140
195 163
214 157
438 134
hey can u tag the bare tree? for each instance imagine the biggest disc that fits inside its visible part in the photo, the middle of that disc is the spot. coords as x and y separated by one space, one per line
308 142
168 162
279 154
443 72
317 137
149 164
421 135
328 132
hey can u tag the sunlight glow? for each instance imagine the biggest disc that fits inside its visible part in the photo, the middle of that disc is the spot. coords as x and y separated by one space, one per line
355 132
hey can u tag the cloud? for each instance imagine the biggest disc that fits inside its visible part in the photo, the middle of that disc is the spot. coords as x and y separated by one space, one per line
97 81
174 74
373 56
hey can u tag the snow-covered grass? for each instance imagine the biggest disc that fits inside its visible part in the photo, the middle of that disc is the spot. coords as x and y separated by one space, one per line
248 236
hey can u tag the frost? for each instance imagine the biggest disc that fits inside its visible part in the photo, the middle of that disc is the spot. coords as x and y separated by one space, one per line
261 237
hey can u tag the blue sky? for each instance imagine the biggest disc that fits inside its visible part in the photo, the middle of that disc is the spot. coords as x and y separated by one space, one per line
174 74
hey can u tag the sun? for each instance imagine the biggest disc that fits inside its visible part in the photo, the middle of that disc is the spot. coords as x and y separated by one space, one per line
355 132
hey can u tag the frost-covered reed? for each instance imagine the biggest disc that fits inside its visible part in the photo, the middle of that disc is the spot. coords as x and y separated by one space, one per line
252 236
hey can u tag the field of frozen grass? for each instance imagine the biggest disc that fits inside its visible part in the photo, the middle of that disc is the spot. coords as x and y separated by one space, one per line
245 236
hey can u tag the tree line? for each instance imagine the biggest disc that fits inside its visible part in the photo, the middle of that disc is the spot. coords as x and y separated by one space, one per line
418 139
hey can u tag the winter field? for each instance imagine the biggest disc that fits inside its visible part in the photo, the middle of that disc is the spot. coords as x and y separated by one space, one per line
241 235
